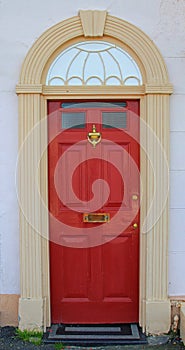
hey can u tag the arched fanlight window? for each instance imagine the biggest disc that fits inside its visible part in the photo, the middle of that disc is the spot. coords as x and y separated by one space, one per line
94 63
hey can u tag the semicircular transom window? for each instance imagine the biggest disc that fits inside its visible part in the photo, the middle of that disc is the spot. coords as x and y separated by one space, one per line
94 63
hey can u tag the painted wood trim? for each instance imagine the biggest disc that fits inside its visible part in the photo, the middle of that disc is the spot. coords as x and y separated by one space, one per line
93 22
146 53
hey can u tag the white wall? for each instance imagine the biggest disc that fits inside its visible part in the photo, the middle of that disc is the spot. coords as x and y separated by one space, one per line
21 23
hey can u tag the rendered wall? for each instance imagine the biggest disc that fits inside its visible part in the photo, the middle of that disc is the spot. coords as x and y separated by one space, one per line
21 23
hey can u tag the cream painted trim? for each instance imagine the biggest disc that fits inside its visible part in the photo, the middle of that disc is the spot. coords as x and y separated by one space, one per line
154 68
154 100
93 22
94 90
29 88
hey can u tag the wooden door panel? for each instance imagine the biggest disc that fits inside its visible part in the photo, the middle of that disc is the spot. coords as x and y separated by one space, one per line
75 276
97 284
119 192
79 180
117 265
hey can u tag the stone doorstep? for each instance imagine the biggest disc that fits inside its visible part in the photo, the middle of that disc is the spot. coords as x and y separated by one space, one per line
9 304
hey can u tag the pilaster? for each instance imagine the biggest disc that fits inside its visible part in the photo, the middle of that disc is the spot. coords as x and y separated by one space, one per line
30 213
156 226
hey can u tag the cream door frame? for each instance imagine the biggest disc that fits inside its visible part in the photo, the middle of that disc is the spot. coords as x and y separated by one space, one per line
34 303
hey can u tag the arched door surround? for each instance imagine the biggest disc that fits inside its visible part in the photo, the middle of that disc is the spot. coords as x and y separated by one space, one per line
33 94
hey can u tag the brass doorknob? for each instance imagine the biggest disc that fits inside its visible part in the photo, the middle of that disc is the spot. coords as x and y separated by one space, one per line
135 225
134 197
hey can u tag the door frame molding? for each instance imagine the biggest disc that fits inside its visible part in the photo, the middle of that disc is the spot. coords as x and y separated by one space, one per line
34 302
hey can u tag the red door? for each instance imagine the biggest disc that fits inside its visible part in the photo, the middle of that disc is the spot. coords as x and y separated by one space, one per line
94 266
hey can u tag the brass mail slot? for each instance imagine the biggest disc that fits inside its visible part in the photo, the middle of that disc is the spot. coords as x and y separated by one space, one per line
96 217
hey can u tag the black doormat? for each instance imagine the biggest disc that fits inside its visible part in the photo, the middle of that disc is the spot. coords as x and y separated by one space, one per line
95 334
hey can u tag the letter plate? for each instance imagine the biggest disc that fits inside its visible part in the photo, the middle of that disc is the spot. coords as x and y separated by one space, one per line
96 217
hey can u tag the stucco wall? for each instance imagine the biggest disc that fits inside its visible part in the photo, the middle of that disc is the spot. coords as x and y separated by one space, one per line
21 23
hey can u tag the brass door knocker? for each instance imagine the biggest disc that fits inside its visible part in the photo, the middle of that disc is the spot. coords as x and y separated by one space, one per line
94 137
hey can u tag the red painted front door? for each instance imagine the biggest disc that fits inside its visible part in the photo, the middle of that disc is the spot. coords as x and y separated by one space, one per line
94 267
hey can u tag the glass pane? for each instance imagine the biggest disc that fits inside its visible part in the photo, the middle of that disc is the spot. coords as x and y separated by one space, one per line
113 81
75 81
56 81
114 120
93 104
73 120
93 60
94 81
131 81
94 63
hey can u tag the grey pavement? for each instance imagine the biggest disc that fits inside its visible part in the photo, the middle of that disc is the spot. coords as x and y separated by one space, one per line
8 341
131 347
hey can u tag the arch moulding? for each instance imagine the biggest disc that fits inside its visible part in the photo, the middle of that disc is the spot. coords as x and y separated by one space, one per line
34 303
